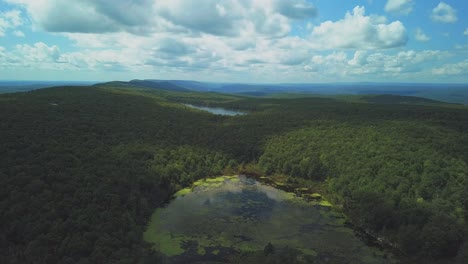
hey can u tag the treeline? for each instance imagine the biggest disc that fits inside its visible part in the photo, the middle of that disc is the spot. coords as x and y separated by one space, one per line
403 181
82 169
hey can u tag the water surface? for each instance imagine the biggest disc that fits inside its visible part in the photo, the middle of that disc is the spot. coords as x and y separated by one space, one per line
217 110
234 218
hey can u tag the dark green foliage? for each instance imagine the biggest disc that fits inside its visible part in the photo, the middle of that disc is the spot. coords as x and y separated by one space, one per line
279 256
269 249
80 179
407 187
398 99
82 169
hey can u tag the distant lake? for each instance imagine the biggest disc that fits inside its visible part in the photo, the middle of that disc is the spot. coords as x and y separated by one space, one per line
217 110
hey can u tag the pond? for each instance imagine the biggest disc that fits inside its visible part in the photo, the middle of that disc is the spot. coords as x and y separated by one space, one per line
217 110
236 219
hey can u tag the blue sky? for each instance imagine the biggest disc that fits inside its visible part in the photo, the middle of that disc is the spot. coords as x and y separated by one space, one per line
235 40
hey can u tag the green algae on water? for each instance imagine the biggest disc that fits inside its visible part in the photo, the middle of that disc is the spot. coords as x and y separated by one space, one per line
325 203
162 240
217 218
183 192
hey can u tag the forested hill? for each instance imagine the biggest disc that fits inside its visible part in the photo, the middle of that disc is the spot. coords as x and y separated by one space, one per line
398 99
449 93
82 168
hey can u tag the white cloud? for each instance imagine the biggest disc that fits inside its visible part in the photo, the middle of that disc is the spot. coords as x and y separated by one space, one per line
27 56
399 6
421 36
39 52
444 13
222 41
171 47
100 60
89 15
462 48
403 65
460 68
10 20
231 18
142 17
203 16
41 56
176 48
19 33
465 32
357 31
211 56
381 65
325 66
359 59
298 9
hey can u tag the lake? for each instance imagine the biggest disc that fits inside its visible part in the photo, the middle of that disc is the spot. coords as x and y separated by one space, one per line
241 220
217 110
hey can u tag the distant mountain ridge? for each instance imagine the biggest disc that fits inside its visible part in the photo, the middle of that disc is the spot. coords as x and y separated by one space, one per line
398 99
24 86
164 85
449 93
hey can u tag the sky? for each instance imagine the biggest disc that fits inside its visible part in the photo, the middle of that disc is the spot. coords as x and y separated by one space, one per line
261 41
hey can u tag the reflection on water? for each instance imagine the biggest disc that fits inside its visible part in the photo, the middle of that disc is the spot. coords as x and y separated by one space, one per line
217 110
221 217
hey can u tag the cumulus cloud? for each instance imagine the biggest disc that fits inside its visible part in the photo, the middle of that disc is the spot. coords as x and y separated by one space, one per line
296 9
293 58
465 32
209 55
399 6
172 47
39 52
10 20
359 59
202 16
98 60
223 40
89 16
460 68
34 56
216 17
44 57
19 33
444 13
231 18
378 65
404 64
421 36
357 31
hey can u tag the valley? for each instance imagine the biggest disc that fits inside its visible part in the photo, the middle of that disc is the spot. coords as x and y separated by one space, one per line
84 168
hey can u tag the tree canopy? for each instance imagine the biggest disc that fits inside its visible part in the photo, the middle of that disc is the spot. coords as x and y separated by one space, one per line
82 168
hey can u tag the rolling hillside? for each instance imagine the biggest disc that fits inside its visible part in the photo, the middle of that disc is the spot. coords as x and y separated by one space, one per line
82 168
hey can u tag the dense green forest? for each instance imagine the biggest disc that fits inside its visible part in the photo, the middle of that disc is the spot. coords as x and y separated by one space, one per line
83 168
